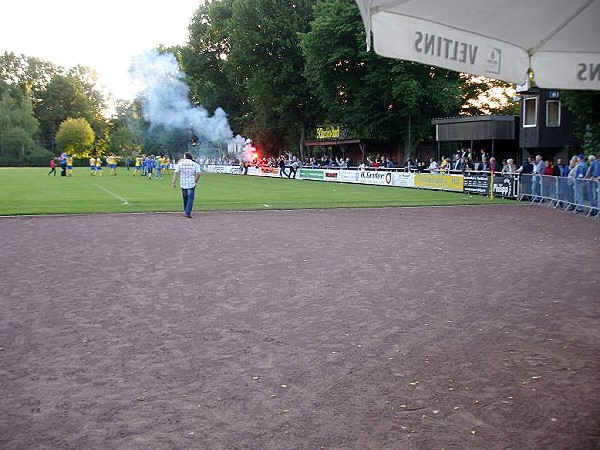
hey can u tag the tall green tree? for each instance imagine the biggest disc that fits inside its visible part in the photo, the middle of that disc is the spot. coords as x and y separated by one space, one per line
69 96
244 56
31 74
585 105
75 136
18 125
372 96
267 61
94 104
205 62
56 93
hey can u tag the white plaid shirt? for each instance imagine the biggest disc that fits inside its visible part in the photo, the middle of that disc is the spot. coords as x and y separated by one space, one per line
187 170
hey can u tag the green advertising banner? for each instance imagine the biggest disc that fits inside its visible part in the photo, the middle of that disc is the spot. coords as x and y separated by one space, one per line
311 174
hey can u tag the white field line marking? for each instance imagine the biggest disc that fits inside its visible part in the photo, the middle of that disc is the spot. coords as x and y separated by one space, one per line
125 202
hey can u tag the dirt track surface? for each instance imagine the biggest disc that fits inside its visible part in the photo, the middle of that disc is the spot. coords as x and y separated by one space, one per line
424 328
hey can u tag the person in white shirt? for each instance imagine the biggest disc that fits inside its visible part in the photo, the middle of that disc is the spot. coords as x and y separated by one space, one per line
539 170
188 172
433 166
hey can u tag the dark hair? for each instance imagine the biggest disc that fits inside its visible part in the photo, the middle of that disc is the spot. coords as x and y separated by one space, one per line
188 155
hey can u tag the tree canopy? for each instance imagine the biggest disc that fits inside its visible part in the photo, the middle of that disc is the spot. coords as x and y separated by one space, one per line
372 96
17 123
55 94
75 136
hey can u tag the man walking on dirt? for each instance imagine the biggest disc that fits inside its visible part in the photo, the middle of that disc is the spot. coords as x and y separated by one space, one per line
188 172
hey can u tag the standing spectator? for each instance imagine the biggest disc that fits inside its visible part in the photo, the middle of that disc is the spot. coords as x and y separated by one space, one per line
445 164
457 166
525 169
510 166
281 165
149 164
52 166
561 171
63 164
144 166
527 166
128 162
294 167
484 155
539 169
494 166
485 165
467 165
188 172
580 171
158 162
571 179
433 166
593 172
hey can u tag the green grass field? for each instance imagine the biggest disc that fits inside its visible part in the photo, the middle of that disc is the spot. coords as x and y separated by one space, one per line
31 191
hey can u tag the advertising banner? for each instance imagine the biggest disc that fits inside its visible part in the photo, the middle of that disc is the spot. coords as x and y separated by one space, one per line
215 168
403 179
381 178
269 171
311 174
349 176
444 182
505 186
331 175
477 183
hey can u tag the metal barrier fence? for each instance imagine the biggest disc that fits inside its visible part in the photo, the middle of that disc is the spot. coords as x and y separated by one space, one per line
571 194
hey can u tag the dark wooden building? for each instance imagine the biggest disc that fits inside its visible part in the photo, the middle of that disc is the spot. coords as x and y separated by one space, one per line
357 149
546 125
498 135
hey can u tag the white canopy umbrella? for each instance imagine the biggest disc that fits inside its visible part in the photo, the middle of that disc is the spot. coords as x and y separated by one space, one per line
559 40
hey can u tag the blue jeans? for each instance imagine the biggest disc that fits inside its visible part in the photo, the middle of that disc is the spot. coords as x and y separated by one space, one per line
579 187
536 184
592 187
188 200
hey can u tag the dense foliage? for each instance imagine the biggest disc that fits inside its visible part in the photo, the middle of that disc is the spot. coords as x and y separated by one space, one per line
44 95
75 136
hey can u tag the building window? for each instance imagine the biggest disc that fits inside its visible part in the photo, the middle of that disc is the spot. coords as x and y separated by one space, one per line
553 113
530 112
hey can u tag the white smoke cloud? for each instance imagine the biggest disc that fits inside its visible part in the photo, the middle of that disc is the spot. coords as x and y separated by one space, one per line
166 102
242 148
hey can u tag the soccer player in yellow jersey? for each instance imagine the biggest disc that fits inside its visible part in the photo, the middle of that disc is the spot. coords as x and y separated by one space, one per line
112 164
98 166
92 166
69 165
138 165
